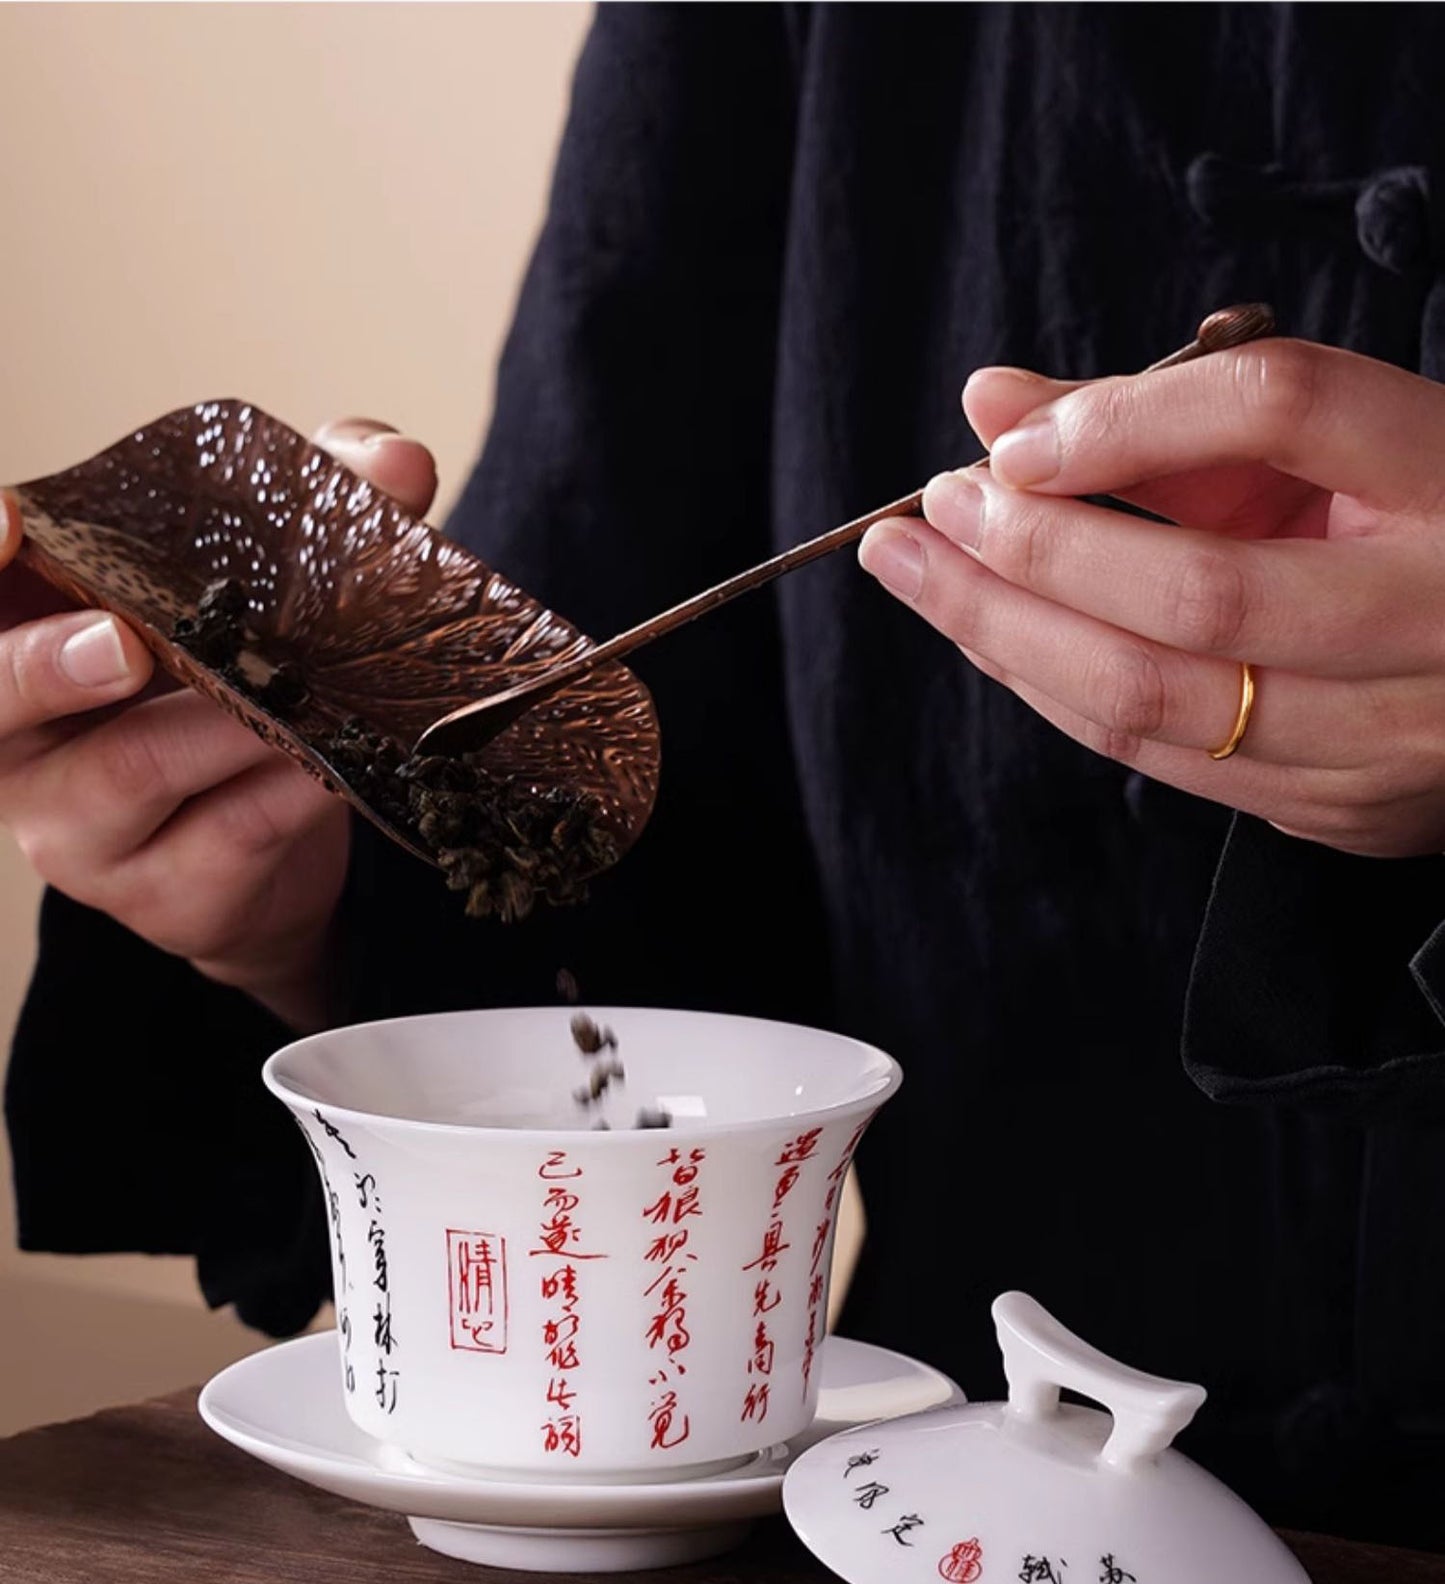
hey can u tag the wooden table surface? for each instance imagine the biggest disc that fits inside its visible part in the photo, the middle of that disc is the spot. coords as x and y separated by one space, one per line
148 1495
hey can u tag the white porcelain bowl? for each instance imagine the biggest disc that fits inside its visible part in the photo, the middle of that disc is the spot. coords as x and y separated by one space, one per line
519 1293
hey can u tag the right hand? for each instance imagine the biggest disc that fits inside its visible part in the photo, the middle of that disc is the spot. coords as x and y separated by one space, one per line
168 814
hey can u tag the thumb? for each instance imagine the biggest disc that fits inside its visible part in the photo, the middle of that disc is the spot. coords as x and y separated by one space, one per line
401 467
23 595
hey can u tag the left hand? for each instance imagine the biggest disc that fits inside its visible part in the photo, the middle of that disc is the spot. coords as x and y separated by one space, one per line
167 814
1309 484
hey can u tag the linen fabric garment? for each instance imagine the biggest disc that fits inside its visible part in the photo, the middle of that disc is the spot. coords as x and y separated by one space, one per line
778 241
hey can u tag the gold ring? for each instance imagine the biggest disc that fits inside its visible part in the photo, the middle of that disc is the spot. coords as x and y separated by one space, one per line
1241 721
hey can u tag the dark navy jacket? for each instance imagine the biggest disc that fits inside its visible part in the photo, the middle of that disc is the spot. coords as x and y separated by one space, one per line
779 240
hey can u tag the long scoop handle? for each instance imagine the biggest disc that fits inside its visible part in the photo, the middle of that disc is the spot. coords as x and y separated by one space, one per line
1228 327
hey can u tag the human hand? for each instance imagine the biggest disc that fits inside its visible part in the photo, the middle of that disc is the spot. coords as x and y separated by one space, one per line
168 814
1310 484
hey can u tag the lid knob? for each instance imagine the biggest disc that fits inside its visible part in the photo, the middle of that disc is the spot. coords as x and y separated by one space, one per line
1040 1357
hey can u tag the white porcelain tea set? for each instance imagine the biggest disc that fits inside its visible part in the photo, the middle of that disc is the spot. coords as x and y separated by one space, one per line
568 1348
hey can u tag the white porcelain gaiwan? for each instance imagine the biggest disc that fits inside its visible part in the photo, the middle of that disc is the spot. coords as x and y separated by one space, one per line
520 1295
1033 1489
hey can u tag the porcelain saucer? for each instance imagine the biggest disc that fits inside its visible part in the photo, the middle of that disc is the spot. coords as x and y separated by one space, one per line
284 1405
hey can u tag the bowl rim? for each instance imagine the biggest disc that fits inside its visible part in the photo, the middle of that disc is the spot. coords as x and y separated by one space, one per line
686 1128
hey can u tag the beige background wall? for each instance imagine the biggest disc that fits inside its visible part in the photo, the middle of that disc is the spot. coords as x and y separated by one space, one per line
324 209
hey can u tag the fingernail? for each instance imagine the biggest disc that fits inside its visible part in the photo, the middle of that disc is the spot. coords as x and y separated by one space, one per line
351 431
895 558
374 442
95 657
1025 456
954 503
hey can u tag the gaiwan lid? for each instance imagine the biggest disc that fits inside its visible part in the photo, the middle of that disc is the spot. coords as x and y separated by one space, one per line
1033 1489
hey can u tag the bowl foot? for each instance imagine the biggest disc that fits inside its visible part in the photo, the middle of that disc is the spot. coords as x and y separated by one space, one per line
576 1550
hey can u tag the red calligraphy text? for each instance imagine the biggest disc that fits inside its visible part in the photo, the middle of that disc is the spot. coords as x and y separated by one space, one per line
801 1148
477 1276
755 1404
669 1260
667 1429
558 1235
963 1564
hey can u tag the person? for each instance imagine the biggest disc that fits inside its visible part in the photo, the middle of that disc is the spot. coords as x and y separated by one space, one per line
778 239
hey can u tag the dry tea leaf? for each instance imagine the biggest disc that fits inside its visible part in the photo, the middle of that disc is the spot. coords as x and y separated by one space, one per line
589 1038
592 1040
504 845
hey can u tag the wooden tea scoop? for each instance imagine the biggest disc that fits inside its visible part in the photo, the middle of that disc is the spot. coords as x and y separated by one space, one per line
315 609
474 725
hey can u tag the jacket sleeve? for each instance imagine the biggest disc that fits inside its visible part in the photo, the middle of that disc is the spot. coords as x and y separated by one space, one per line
1319 979
627 466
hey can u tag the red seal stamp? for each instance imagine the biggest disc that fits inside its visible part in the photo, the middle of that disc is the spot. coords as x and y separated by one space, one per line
964 1563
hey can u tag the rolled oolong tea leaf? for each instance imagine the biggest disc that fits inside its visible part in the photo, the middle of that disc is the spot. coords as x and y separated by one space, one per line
646 1118
589 1038
285 690
370 763
603 1072
592 1039
502 842
505 843
216 634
